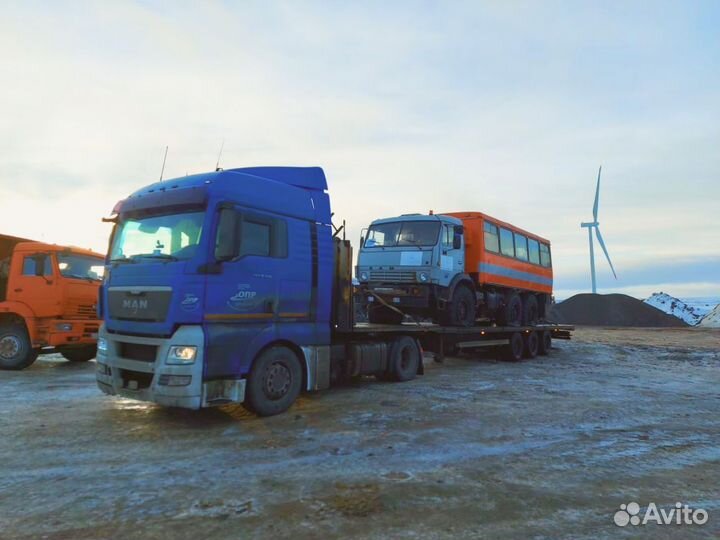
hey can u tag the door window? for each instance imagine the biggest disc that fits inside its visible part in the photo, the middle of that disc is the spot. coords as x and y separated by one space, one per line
30 265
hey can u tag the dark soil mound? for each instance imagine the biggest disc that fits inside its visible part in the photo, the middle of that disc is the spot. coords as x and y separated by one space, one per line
610 310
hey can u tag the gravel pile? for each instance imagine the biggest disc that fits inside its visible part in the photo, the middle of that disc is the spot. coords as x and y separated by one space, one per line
610 310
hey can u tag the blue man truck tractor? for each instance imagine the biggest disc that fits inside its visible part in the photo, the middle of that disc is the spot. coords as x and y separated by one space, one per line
233 287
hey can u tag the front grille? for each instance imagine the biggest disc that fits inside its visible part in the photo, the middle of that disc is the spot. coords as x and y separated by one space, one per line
394 276
139 305
81 311
138 351
135 380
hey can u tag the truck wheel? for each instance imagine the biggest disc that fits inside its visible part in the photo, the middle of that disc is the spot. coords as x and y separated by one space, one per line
404 358
79 354
532 342
16 351
274 382
384 315
460 310
545 343
513 351
531 312
511 314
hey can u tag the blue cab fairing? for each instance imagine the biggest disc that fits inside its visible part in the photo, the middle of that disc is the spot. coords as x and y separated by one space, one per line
244 304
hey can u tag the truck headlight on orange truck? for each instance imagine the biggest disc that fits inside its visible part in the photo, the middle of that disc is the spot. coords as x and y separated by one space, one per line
181 354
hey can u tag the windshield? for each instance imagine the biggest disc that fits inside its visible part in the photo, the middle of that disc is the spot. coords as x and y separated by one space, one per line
73 265
403 233
170 236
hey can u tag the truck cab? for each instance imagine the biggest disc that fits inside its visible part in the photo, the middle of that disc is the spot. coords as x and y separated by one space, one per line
412 264
218 290
48 297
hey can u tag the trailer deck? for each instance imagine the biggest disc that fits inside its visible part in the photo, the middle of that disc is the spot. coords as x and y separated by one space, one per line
445 339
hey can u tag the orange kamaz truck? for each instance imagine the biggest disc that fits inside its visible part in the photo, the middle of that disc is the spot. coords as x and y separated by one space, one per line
456 268
48 296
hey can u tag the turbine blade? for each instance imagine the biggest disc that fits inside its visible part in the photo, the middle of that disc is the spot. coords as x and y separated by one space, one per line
602 245
597 196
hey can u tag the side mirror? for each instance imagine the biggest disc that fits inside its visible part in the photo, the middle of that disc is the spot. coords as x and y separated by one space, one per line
40 261
226 241
457 241
362 241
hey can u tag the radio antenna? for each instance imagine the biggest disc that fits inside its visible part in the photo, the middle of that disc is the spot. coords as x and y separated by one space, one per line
217 165
162 171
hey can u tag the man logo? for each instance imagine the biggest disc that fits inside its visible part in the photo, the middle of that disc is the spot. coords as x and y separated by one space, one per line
134 304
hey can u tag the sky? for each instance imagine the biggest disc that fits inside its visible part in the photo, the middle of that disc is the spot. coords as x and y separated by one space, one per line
502 107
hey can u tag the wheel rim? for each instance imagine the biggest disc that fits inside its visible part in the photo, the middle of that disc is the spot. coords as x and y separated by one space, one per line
278 379
10 346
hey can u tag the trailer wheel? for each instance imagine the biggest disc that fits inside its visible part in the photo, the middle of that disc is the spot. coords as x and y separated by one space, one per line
511 314
460 310
531 311
404 358
545 343
16 351
513 351
384 315
79 354
532 342
274 382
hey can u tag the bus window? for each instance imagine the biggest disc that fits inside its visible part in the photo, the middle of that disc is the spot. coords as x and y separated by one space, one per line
534 251
545 255
492 243
507 246
521 249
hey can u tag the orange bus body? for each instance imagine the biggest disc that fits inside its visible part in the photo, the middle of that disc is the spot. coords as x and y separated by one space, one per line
494 269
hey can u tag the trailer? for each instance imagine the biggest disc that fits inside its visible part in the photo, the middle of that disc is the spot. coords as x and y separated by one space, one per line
231 287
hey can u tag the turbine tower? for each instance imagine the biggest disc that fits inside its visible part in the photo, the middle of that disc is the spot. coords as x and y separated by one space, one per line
594 224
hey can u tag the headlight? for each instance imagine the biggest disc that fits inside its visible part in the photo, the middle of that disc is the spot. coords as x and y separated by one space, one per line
181 354
63 327
102 344
423 277
363 276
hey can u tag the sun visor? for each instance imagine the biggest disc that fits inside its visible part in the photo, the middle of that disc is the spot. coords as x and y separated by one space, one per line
161 198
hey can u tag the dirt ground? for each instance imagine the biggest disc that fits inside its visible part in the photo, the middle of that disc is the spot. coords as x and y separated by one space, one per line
544 448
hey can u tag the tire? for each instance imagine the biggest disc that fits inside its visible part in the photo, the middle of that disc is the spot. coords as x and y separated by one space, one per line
384 315
79 354
531 310
531 345
404 359
511 313
545 343
16 351
513 351
460 310
274 383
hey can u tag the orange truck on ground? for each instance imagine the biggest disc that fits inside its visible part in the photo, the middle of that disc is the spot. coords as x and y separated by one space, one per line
48 298
456 268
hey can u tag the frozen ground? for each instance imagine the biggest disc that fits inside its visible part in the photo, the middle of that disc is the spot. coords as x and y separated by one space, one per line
547 448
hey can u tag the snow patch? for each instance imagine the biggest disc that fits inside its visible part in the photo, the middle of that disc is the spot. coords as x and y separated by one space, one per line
674 306
712 319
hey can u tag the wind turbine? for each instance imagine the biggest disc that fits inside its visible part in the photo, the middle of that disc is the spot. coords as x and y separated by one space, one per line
594 224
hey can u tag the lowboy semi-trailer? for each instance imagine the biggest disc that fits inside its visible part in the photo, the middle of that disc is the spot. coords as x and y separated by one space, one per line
230 286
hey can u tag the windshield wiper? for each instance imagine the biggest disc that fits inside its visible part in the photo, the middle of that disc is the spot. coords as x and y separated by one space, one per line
163 256
415 243
123 260
78 276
